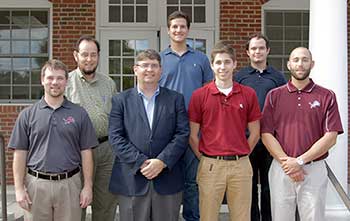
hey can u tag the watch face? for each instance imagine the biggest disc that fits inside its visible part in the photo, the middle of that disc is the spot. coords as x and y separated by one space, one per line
300 161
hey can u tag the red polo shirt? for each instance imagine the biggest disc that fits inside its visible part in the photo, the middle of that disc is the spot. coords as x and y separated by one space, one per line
298 118
224 119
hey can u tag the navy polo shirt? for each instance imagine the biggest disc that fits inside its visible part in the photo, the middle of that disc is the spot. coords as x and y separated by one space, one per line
185 73
262 83
53 137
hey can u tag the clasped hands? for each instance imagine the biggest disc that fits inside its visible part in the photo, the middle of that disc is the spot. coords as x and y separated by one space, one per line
151 168
292 168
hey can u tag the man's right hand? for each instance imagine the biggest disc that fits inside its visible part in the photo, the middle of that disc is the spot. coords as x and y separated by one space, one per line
23 199
298 176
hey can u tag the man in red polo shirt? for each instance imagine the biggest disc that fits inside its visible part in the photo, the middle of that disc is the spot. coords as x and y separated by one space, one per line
300 124
222 110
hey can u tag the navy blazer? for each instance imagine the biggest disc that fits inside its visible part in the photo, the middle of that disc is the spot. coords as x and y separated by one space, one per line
133 142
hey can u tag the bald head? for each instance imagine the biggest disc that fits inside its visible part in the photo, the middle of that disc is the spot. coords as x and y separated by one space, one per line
300 50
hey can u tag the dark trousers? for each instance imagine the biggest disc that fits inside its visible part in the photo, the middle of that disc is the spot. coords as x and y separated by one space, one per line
261 161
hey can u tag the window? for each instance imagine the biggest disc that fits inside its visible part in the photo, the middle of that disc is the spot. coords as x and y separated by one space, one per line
286 30
194 8
132 11
24 40
198 44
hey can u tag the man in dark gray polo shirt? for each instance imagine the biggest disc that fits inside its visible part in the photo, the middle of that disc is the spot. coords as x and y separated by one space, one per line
52 142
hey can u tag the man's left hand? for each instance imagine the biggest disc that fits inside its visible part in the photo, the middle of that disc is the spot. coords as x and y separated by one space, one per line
153 168
85 196
289 165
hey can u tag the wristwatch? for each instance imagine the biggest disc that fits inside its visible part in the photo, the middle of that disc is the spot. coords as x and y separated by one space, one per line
300 161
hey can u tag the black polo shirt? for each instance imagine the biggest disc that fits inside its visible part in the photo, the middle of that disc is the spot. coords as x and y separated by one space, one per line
53 138
262 83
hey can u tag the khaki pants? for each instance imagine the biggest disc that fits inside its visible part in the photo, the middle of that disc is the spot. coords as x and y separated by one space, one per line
54 200
215 177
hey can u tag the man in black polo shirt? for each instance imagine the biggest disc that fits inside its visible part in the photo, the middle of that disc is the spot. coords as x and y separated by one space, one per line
262 78
52 142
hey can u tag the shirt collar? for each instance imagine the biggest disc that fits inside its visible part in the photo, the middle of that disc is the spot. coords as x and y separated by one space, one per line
252 70
43 104
214 90
308 88
139 92
168 50
81 76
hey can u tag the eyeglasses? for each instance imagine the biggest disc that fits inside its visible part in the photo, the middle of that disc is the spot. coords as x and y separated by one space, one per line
148 65
85 55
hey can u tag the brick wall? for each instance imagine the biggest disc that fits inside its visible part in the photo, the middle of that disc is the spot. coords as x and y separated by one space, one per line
8 115
71 19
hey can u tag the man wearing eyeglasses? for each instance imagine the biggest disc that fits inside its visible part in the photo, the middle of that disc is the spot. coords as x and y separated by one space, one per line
148 131
93 91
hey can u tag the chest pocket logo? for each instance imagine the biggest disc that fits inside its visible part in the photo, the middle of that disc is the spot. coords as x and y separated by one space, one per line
314 104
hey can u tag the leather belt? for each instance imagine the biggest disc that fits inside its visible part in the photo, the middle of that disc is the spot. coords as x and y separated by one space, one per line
230 157
102 139
55 176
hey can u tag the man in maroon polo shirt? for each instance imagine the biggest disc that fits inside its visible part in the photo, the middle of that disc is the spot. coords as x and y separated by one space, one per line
300 124
222 110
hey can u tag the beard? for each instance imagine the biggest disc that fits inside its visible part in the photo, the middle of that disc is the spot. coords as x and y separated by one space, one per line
300 77
86 71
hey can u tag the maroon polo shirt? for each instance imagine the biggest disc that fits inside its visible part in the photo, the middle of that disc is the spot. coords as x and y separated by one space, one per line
298 118
224 119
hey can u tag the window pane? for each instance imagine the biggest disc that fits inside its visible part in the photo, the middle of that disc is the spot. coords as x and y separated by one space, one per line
20 47
190 42
114 14
21 71
274 18
274 33
20 32
306 33
114 47
39 47
187 10
276 47
186 1
141 14
128 1
306 19
37 92
275 62
293 33
128 66
114 66
39 32
5 92
128 82
128 47
291 45
199 1
37 63
141 1
39 18
128 13
114 1
199 14
4 32
171 10
172 1
292 19
117 81
20 18
4 47
21 92
4 17
200 44
141 45
5 70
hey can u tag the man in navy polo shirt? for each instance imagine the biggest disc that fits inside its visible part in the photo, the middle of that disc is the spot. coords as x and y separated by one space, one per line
222 110
52 140
262 78
185 70
300 124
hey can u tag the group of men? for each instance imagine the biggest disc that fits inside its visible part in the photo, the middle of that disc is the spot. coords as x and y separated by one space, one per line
187 122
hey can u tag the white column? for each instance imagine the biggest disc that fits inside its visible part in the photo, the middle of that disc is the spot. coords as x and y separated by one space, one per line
328 44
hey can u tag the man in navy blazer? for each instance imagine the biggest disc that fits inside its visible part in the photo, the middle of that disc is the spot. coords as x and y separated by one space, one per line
148 131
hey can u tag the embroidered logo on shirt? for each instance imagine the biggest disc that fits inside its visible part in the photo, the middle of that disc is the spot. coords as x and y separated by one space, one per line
314 104
69 120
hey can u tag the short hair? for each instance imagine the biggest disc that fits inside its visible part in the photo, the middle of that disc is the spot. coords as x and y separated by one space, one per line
150 54
223 47
87 38
257 36
179 14
54 64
